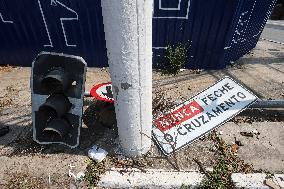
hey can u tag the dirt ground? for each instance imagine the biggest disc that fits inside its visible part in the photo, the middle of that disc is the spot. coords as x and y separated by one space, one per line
262 71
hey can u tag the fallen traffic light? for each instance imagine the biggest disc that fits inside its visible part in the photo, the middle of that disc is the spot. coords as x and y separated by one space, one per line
57 85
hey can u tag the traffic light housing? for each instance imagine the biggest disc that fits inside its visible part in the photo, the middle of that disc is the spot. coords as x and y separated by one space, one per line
57 86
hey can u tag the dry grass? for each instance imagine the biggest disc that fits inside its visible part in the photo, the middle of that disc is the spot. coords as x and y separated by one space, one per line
6 100
227 163
5 68
24 181
161 104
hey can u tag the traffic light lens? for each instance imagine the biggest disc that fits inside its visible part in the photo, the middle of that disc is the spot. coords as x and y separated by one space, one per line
57 128
56 81
52 85
57 103
48 111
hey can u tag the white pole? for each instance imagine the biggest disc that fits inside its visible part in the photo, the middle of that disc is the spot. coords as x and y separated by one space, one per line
128 33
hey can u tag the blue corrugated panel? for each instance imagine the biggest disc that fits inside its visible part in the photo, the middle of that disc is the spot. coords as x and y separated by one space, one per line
205 27
28 27
261 13
247 26
218 31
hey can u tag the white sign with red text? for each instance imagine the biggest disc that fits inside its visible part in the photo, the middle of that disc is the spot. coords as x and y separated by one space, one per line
200 114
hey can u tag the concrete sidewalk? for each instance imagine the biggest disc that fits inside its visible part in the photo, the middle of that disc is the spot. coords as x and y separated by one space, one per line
155 178
274 31
275 22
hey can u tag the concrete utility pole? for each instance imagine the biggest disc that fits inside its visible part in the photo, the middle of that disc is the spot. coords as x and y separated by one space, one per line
128 33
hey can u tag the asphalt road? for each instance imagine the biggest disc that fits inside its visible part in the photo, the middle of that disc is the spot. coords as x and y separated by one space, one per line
274 30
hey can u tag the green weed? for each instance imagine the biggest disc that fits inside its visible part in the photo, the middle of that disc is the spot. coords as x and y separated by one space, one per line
176 59
93 173
227 163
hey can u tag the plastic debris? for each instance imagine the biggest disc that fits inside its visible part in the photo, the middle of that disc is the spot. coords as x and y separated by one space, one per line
4 130
96 153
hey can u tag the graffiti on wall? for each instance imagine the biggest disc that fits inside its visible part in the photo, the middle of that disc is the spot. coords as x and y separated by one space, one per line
76 27
67 26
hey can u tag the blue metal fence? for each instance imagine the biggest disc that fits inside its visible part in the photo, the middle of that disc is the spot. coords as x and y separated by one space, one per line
247 25
218 31
69 26
205 27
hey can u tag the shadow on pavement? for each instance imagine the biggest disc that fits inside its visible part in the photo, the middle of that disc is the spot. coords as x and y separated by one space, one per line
99 128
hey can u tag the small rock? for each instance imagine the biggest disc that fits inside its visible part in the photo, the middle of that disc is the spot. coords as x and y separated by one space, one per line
234 148
271 184
121 157
179 101
255 132
239 143
72 186
80 176
246 134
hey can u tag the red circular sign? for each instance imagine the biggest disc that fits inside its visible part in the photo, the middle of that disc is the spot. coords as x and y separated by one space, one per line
103 92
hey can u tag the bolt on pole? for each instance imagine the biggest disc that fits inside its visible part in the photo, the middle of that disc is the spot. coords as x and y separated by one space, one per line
128 33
